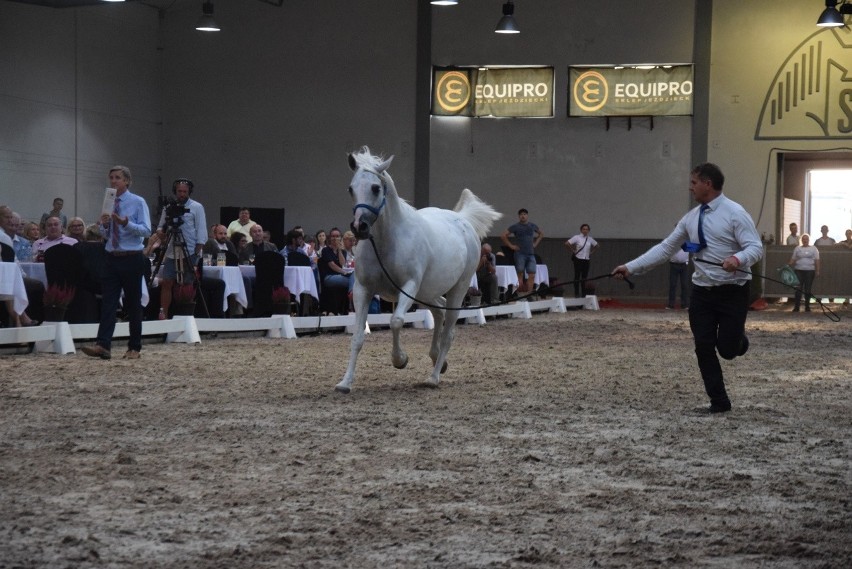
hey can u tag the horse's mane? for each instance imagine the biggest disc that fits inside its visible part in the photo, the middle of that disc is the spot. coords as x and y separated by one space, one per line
365 159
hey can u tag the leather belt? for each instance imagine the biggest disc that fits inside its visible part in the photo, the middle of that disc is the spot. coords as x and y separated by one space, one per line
673 263
124 253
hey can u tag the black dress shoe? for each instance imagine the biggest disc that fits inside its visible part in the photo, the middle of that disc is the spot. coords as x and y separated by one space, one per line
743 345
714 408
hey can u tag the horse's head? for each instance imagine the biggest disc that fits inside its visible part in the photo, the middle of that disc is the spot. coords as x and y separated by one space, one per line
368 188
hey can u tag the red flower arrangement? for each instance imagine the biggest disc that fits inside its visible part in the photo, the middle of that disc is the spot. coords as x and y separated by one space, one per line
55 295
183 293
281 295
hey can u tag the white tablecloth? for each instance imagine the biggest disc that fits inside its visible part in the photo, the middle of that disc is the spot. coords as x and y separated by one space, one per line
35 271
297 279
12 286
506 275
234 283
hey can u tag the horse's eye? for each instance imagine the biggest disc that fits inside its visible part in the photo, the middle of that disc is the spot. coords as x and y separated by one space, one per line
350 190
376 188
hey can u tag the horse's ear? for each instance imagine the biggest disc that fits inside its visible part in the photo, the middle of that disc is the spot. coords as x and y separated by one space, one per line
352 163
384 165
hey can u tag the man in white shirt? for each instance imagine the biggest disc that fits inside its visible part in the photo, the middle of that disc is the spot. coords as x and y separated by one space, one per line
723 238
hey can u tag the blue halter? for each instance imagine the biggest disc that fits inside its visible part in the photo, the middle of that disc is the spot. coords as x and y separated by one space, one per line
374 210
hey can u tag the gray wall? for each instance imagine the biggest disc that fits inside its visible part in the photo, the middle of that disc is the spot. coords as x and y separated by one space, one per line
263 112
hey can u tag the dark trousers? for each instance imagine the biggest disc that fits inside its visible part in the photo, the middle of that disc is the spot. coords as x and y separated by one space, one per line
488 286
717 318
678 274
581 273
122 273
806 280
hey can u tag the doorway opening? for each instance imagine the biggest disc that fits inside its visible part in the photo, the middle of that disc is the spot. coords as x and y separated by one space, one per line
829 202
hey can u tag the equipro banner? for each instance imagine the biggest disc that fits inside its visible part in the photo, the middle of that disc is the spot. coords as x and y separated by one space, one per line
630 91
494 92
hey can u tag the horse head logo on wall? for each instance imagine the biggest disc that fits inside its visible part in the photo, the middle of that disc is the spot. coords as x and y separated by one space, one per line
811 95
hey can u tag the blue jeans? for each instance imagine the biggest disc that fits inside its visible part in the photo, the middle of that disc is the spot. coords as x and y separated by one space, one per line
678 274
122 273
339 281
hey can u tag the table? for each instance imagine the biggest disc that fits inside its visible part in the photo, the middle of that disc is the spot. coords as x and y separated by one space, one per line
234 284
35 271
297 279
506 275
12 286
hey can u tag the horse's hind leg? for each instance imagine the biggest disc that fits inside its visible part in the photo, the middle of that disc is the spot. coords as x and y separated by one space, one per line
438 317
448 331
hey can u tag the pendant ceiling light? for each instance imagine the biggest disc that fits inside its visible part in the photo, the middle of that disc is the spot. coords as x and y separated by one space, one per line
207 23
832 17
444 2
507 24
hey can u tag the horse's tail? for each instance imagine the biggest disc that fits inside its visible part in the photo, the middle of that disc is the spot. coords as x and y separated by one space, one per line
481 215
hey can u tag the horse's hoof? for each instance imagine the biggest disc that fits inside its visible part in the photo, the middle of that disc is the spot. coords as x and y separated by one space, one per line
431 382
445 366
402 365
342 389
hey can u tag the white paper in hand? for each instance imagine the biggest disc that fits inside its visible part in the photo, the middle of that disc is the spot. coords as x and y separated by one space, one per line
109 201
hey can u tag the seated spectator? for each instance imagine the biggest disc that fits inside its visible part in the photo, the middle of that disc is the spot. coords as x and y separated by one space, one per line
31 231
218 242
486 275
331 265
847 243
239 240
53 236
294 242
7 234
22 246
256 246
93 233
76 229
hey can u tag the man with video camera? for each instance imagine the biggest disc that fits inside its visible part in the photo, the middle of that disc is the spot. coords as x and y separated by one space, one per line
182 222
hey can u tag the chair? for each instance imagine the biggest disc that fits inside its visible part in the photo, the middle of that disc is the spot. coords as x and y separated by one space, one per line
269 275
231 259
298 259
213 291
7 254
68 265
507 258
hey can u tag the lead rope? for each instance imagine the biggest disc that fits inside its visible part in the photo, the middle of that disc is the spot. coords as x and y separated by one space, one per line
542 288
827 312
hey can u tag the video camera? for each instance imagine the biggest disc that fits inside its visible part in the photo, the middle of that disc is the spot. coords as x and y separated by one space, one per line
175 211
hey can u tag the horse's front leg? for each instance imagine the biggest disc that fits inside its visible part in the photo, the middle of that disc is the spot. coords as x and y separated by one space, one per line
447 333
361 297
404 302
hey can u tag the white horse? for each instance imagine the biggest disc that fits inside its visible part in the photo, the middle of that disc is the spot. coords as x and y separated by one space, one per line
431 254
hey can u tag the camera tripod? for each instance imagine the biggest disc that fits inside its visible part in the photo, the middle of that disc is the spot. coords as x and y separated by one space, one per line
183 265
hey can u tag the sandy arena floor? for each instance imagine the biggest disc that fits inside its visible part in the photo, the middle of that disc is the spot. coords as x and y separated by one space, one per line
570 440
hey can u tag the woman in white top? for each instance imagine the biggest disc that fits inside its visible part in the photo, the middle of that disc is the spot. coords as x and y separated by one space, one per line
805 261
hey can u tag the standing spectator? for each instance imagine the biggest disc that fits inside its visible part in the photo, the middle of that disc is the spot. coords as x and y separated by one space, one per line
256 246
124 230
486 274
528 236
192 226
53 236
581 247
243 223
805 261
721 232
76 229
55 212
679 274
793 238
847 243
825 240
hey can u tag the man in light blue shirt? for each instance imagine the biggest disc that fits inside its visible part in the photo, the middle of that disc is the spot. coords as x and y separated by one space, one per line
185 217
124 230
722 235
